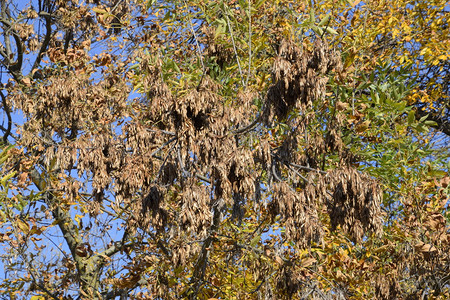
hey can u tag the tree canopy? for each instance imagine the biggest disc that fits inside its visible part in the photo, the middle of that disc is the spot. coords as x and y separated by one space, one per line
224 149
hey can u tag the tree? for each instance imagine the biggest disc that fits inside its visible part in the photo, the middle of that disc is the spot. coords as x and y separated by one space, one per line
231 149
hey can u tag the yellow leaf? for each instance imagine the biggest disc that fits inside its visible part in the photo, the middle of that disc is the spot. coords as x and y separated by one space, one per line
395 32
355 3
424 51
99 10
22 226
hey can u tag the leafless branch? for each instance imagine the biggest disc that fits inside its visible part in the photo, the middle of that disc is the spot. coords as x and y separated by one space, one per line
8 115
14 67
163 145
202 261
48 33
162 131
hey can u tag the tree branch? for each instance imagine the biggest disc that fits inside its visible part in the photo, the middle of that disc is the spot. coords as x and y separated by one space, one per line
255 122
116 247
13 67
5 30
8 115
39 284
87 268
48 28
161 147
200 266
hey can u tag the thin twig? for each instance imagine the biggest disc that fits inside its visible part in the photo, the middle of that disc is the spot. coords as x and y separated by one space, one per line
161 147
162 131
308 168
234 48
258 287
249 42
298 174
299 166
201 177
305 179
248 127
253 124
54 244
200 54
274 173
31 269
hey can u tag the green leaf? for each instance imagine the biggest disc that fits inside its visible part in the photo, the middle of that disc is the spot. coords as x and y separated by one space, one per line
312 17
317 30
431 123
6 178
423 118
4 154
259 3
331 30
219 30
411 117
324 21
255 240
149 3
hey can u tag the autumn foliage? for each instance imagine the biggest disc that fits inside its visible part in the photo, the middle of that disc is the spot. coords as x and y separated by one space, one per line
225 149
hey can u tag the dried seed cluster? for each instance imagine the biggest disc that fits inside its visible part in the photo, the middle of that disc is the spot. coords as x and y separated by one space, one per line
300 77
